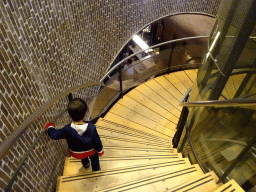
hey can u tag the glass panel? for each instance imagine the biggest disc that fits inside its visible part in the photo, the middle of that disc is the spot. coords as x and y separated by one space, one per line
145 65
219 137
185 54
247 179
108 94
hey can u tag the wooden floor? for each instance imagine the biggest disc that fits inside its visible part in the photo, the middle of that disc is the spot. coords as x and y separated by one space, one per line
136 134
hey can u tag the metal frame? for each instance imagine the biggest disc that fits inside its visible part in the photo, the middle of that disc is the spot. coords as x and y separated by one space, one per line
221 103
154 46
243 35
238 158
173 14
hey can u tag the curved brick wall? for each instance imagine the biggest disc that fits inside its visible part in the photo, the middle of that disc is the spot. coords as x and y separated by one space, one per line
48 46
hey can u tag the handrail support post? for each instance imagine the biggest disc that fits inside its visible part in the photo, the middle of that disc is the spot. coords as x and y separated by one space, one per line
238 159
120 80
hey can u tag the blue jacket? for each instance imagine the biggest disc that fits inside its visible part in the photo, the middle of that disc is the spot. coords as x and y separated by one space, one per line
89 140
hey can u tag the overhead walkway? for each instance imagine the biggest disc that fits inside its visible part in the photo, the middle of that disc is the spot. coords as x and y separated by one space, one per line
136 134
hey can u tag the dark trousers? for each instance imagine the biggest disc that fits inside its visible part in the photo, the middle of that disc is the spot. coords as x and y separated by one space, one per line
94 161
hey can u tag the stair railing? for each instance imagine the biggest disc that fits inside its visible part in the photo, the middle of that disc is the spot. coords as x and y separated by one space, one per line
220 103
5 146
8 143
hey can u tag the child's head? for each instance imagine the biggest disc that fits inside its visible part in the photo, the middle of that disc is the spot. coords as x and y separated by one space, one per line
77 109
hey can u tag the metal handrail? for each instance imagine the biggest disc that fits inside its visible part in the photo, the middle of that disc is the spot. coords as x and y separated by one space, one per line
5 146
221 103
193 149
154 46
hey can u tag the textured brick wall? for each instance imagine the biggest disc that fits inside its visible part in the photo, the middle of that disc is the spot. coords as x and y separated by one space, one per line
48 46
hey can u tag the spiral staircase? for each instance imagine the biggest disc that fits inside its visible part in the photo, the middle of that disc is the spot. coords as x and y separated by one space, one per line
136 134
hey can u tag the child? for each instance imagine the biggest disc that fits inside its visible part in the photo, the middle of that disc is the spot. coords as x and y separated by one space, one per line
82 137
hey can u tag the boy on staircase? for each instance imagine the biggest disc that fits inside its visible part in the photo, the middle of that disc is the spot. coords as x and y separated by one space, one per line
82 137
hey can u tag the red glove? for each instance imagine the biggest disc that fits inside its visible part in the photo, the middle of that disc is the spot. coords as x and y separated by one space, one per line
50 124
101 152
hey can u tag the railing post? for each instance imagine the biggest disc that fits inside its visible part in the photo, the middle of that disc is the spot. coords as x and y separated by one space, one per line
180 126
70 97
120 80
182 120
170 58
238 158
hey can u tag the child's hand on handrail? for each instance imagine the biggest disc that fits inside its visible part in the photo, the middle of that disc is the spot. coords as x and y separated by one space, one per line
48 125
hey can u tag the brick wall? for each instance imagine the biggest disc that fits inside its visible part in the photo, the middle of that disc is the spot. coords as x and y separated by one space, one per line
50 45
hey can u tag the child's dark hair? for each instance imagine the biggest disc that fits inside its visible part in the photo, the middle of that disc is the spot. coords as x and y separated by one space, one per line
77 109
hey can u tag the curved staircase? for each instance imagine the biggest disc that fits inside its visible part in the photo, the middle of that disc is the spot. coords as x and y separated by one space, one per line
136 134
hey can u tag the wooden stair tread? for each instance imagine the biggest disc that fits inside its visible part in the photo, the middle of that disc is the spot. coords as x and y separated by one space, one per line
142 108
100 180
125 129
192 74
230 186
136 125
74 166
164 93
144 100
156 97
140 117
176 83
160 182
124 135
204 183
184 79
124 143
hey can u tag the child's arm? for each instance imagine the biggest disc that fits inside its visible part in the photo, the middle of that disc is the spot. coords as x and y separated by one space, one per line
54 133
99 147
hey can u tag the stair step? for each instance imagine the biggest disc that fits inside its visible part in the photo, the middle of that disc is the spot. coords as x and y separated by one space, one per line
123 153
169 86
206 182
145 100
96 181
160 182
106 138
151 89
172 150
184 79
142 109
119 127
166 95
230 186
136 125
74 166
192 74
125 135
108 141
143 119
172 78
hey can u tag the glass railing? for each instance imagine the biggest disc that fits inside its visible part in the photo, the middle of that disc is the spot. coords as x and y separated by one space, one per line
222 110
220 136
145 64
